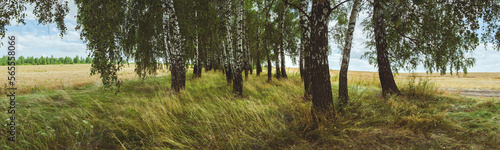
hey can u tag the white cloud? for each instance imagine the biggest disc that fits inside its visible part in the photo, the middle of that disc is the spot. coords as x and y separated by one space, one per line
34 39
39 40
487 60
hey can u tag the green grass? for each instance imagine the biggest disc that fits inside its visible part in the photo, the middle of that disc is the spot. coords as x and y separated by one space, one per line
146 115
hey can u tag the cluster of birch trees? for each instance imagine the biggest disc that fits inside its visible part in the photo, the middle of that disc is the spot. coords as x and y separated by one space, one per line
236 36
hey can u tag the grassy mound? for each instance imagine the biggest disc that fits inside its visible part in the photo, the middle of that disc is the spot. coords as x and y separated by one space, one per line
145 115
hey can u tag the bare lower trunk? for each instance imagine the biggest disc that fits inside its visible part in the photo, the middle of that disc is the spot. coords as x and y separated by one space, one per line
207 62
283 69
269 66
199 60
346 54
197 65
384 66
277 63
246 58
301 64
250 66
258 63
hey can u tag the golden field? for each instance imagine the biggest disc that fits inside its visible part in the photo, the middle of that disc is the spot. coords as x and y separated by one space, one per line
474 80
472 84
39 77
29 78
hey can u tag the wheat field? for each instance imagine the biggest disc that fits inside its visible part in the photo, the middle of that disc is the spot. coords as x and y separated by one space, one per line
29 78
40 77
474 80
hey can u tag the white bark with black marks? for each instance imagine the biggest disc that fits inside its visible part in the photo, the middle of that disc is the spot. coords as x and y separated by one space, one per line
229 44
238 78
322 98
174 46
346 54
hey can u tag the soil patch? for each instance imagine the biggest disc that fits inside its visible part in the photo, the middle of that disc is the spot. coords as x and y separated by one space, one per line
476 92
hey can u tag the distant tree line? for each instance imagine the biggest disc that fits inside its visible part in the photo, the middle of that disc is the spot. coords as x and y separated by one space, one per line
21 60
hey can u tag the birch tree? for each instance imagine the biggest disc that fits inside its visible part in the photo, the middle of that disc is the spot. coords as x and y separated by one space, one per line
320 75
258 63
246 50
282 42
267 36
384 67
197 58
305 49
229 44
174 47
343 90
238 55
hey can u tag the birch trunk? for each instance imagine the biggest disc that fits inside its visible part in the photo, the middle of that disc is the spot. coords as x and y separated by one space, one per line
229 45
277 51
282 49
277 62
224 57
322 98
246 59
266 47
346 54
197 66
258 63
305 43
174 43
238 78
384 66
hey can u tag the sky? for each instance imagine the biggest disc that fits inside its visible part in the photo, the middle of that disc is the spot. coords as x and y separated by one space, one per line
37 40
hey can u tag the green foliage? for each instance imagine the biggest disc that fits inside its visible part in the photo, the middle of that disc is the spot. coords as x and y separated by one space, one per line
144 37
46 11
441 36
102 25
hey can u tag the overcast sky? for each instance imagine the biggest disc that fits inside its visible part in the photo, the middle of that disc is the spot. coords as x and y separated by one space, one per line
44 40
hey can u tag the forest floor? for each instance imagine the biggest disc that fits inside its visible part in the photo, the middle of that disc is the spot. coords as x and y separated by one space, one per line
146 115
